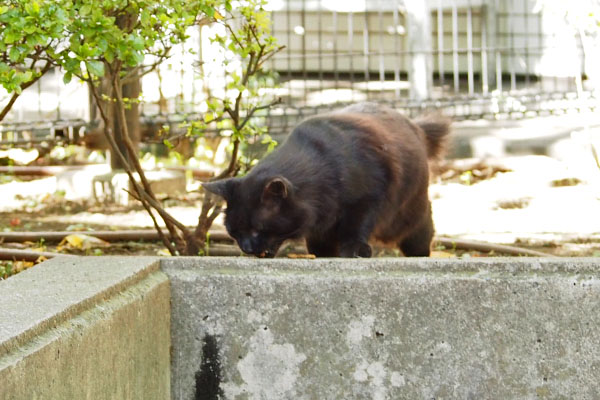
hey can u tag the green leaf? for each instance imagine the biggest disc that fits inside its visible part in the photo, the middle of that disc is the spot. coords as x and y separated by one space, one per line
67 77
85 10
27 76
137 58
109 55
137 43
11 37
14 54
95 67
32 8
29 29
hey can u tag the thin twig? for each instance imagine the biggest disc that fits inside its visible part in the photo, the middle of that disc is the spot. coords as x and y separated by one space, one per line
258 108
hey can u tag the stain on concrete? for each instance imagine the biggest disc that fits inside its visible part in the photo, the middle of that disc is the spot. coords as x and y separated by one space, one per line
357 330
269 370
208 377
374 375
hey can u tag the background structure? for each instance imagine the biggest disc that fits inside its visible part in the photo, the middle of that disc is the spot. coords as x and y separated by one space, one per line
468 58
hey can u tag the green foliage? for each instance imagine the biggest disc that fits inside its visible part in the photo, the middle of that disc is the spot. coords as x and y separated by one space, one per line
6 269
250 44
107 43
29 31
117 35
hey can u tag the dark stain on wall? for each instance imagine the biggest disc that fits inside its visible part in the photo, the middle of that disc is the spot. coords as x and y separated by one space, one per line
208 377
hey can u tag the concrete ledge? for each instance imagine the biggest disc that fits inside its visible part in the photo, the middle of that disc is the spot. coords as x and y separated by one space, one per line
243 328
95 328
385 329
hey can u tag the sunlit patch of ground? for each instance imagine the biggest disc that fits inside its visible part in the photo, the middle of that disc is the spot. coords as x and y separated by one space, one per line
534 202
525 206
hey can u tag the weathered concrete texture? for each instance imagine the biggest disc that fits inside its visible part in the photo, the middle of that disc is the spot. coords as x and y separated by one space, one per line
385 329
88 328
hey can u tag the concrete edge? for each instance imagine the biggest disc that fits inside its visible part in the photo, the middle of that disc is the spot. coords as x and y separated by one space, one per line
482 267
56 301
81 320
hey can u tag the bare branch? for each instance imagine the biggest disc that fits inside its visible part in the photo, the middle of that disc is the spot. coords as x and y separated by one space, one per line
267 56
258 108
233 35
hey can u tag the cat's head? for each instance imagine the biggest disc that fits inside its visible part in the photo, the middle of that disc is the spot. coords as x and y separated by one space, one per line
261 212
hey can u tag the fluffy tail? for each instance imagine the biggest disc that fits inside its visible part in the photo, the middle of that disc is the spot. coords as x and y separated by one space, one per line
436 128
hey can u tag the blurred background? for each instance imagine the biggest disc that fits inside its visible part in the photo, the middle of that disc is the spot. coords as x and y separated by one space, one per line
490 59
520 78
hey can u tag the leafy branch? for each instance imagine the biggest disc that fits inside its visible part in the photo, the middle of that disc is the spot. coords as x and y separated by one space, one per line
253 43
29 32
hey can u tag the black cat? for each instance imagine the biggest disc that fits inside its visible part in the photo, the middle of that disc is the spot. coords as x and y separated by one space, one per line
340 180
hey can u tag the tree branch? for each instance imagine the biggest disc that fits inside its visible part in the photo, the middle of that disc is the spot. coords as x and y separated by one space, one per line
258 108
145 192
117 152
24 86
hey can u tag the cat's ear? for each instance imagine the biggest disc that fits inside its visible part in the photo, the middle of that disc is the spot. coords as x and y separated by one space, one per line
223 187
277 188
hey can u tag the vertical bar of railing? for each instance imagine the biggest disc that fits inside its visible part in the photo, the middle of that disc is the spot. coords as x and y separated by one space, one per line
440 43
499 71
455 64
539 50
513 55
304 72
526 49
39 99
180 105
380 32
366 49
194 80
498 50
336 74
320 48
420 74
485 87
470 72
59 82
397 57
351 51
288 51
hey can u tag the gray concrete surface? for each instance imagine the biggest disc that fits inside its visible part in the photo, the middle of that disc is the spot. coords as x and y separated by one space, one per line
85 328
245 329
385 329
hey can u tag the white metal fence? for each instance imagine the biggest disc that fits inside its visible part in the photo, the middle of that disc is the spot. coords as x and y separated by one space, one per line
470 58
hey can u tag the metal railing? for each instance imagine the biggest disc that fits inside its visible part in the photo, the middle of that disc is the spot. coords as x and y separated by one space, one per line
467 58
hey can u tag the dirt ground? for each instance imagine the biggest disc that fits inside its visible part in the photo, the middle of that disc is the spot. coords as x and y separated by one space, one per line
532 202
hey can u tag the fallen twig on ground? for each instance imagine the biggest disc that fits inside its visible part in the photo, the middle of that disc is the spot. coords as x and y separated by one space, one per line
27 255
222 236
462 244
109 236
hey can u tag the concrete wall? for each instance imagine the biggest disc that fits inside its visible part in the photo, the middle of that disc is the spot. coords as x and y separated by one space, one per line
245 329
385 329
90 328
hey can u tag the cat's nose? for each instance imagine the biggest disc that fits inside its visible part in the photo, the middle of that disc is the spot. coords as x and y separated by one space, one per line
246 245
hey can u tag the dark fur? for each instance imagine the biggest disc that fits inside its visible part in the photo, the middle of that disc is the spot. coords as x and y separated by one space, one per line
339 181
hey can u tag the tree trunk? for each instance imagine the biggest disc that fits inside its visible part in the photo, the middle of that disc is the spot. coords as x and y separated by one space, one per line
131 90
